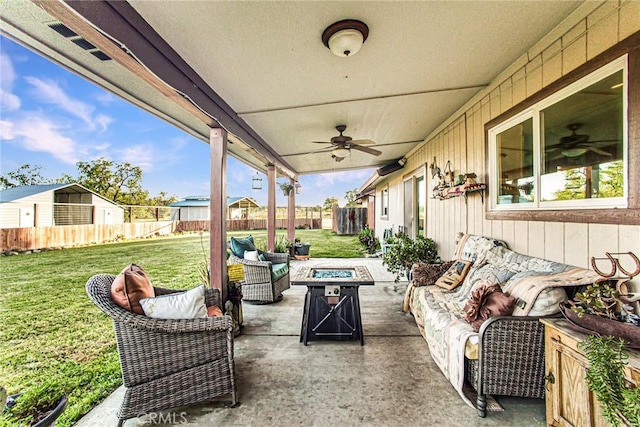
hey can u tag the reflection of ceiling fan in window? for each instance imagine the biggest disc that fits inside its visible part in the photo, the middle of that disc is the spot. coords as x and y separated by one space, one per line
575 145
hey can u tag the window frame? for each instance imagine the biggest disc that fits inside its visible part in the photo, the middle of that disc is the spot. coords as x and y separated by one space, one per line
591 214
535 113
384 199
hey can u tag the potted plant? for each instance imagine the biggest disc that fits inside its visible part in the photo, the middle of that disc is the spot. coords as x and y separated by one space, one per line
605 377
403 252
600 309
286 188
370 242
300 248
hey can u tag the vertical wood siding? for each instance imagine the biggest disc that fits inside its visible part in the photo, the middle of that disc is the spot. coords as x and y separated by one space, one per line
591 30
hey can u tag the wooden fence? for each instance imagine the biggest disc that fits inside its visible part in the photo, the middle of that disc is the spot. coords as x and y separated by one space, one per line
70 235
349 220
249 224
30 238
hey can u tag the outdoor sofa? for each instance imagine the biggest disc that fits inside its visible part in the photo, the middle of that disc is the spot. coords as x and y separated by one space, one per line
506 355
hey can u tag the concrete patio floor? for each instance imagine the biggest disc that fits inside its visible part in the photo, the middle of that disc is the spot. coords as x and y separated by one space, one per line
390 381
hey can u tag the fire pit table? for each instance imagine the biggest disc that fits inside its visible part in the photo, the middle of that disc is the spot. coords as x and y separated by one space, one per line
331 304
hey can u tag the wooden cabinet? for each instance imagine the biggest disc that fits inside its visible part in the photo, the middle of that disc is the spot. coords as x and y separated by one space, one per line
568 399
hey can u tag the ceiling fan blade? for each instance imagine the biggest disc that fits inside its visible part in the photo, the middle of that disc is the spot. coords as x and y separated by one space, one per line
366 150
321 142
599 151
362 142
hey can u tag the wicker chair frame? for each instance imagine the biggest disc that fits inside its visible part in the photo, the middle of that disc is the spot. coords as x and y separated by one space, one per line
168 363
511 359
258 286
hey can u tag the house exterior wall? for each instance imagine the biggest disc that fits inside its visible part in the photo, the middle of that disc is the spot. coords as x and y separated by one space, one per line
592 29
40 206
106 212
190 213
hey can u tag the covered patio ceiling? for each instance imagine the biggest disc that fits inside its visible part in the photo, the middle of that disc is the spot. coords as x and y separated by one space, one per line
261 71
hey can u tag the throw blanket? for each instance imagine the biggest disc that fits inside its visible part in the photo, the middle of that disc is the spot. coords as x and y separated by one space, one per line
446 333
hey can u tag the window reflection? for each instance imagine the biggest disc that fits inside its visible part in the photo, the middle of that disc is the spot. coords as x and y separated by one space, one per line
582 141
515 164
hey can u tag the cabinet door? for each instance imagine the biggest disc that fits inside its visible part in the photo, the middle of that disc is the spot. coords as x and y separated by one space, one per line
569 400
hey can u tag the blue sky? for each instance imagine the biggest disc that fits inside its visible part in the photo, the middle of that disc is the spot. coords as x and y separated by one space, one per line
53 118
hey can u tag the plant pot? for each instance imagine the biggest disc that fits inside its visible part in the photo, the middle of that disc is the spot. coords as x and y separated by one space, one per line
50 418
302 249
596 325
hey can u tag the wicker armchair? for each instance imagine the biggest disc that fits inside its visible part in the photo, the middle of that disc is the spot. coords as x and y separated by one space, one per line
168 363
258 285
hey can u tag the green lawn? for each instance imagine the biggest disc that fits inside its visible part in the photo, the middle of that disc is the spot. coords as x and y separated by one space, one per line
53 339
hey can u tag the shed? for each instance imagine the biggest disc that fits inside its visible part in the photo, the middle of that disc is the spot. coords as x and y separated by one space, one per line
195 208
56 204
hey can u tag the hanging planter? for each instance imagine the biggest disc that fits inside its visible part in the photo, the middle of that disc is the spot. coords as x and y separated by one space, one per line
286 188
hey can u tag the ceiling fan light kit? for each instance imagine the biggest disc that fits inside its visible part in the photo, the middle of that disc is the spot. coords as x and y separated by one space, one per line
345 38
340 152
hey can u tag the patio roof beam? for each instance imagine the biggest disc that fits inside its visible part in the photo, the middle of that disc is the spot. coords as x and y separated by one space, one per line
121 22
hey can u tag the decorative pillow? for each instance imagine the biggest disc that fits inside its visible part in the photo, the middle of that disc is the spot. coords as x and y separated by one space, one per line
130 286
423 274
261 257
454 275
251 255
487 300
214 311
179 305
239 246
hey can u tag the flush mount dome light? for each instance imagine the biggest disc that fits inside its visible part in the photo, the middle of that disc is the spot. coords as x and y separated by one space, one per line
340 152
345 38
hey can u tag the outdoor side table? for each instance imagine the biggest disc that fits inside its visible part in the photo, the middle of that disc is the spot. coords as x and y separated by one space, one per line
332 303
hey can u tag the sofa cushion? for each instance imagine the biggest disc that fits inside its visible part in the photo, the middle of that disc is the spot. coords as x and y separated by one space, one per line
454 275
487 300
178 305
423 274
238 245
130 286
279 270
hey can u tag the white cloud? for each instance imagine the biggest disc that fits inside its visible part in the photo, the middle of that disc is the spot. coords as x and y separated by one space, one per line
8 100
106 98
50 92
37 133
103 121
138 155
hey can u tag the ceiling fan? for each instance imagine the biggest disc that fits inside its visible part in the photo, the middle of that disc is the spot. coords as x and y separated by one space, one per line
575 145
342 145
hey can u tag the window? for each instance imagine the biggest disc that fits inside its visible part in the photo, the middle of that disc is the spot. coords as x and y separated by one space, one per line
567 151
384 202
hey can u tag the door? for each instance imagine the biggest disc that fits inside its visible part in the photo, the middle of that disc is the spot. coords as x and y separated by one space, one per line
408 207
27 217
421 204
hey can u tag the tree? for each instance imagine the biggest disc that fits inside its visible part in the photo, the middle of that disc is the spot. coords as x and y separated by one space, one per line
612 180
24 175
118 182
329 202
574 185
350 197
162 199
